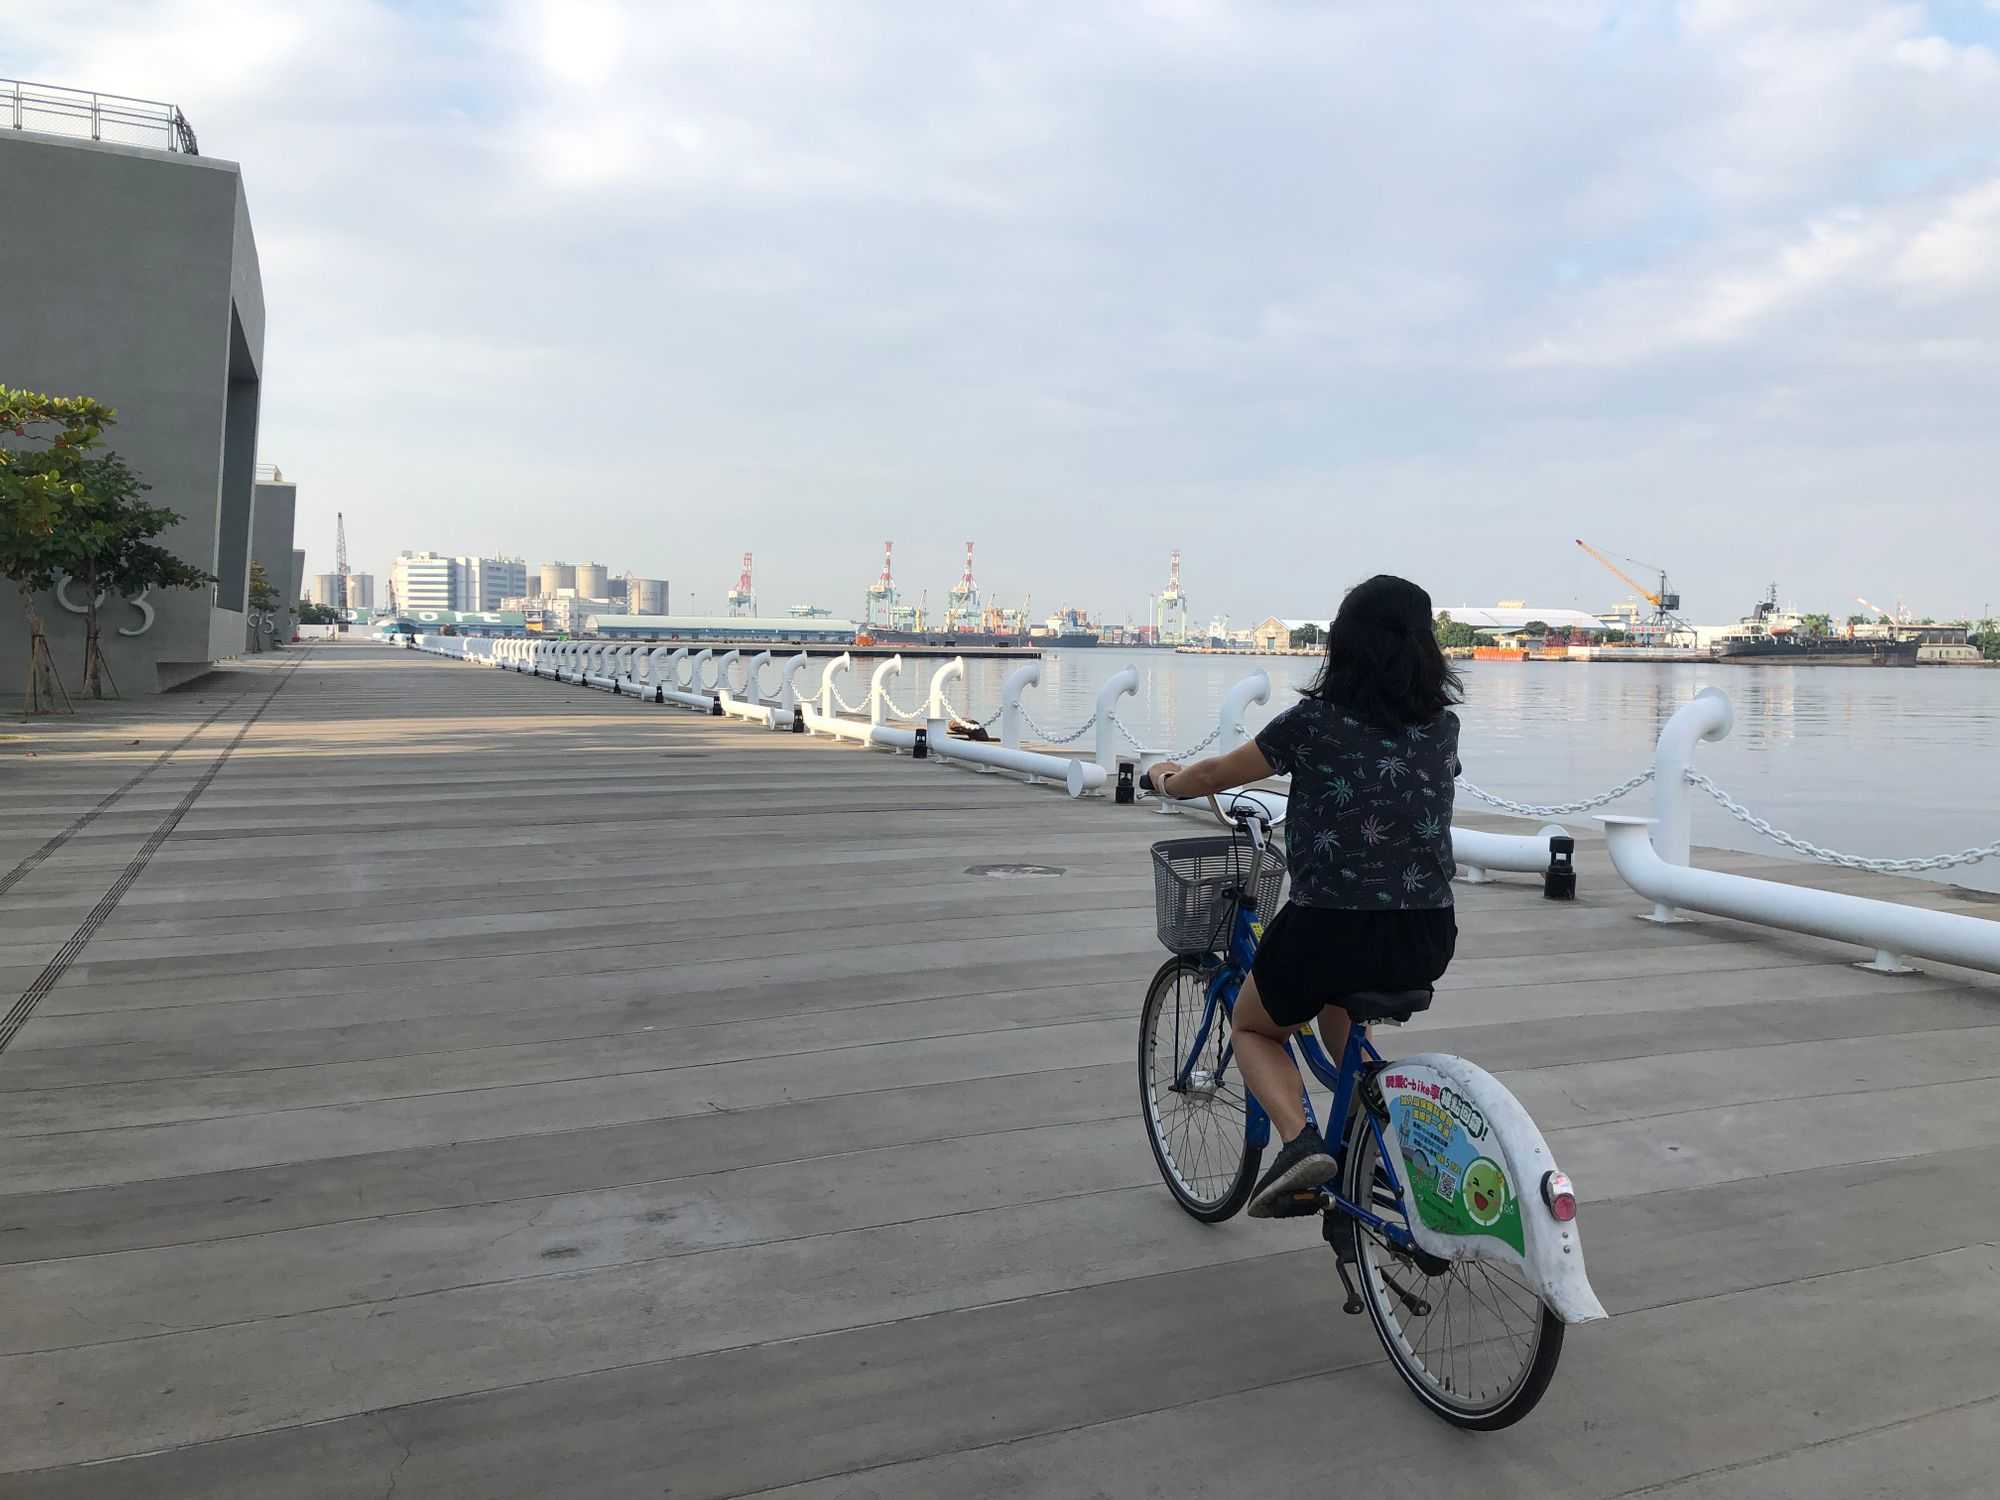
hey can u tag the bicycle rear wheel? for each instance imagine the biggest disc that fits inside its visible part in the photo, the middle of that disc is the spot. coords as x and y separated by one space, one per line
1470 1337
1199 1130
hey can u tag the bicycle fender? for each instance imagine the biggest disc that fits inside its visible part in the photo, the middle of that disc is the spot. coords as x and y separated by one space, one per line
1472 1163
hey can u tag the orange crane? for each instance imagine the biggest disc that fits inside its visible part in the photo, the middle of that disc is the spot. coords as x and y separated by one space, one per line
1666 603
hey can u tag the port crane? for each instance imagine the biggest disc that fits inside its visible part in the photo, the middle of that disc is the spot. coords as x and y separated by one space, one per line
742 600
1665 622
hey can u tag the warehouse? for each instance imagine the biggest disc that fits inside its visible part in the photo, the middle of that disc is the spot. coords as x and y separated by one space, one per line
719 628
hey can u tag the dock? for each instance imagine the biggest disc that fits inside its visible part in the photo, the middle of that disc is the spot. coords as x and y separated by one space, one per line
421 1080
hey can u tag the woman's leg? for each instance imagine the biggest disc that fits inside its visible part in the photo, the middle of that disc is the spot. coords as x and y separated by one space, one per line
1267 1067
1333 1026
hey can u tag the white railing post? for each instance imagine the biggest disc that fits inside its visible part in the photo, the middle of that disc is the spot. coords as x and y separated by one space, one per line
1120 684
695 664
753 676
722 666
1018 682
829 702
955 668
878 689
1706 716
788 687
1890 928
1230 733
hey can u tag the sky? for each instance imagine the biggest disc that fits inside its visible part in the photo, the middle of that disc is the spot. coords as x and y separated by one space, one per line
1308 291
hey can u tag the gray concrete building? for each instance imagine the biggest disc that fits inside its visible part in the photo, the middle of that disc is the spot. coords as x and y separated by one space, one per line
139 285
297 587
271 519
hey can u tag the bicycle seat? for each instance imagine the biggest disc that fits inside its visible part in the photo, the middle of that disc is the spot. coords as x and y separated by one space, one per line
1392 1006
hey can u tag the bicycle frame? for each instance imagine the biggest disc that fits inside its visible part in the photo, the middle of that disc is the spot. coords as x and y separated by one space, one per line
1224 984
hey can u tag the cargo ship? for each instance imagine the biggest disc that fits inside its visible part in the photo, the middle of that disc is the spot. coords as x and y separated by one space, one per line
1773 636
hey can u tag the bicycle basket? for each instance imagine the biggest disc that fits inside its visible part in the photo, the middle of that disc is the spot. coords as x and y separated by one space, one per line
1194 886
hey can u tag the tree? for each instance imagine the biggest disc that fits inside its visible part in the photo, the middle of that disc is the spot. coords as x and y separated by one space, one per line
39 487
110 551
1817 624
1307 634
1859 620
263 598
1987 638
1452 632
310 613
1535 627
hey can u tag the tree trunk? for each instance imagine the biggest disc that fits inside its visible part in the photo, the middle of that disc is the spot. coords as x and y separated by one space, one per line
93 651
43 683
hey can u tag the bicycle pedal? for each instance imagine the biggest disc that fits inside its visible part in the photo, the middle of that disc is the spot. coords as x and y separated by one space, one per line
1298 1205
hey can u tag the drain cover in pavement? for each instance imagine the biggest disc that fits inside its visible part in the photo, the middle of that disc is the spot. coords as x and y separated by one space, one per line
1014 872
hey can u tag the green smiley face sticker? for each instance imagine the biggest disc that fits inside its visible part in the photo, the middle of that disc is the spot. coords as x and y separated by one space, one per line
1484 1191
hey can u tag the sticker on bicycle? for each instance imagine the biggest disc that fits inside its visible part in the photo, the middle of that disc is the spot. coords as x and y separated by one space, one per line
1450 1158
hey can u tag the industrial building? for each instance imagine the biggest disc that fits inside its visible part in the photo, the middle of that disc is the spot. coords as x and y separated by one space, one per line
430 580
1510 617
719 628
422 580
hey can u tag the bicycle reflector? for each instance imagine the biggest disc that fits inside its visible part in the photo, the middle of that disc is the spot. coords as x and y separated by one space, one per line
1559 1195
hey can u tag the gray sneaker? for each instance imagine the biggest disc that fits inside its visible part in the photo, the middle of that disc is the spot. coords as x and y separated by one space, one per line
1302 1167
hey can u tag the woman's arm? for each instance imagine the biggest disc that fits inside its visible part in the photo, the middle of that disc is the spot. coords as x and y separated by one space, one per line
1218 773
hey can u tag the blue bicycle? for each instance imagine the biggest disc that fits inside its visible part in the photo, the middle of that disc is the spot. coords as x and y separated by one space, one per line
1468 1281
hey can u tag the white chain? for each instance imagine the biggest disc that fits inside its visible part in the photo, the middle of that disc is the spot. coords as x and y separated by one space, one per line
1743 815
1558 809
1119 724
897 710
965 718
845 706
1046 738
1203 743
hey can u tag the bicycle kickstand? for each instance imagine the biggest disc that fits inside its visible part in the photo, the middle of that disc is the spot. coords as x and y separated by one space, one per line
1343 1256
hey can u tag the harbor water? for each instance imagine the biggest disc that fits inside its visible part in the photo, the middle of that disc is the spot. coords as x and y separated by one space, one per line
1885 762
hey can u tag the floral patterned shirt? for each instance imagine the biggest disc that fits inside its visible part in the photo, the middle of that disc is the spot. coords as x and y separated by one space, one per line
1369 826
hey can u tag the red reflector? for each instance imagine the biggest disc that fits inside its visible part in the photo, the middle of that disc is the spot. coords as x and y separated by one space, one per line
1559 1196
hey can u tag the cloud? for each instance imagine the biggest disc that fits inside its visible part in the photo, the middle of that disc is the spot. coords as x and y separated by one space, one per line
656 284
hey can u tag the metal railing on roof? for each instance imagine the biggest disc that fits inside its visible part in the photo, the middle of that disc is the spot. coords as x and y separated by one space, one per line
54 110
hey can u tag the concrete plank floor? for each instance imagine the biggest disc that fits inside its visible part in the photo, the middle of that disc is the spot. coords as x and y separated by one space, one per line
486 1087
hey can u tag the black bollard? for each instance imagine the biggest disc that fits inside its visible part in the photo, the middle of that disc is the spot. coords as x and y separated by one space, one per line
798 718
1559 880
920 747
659 695
1125 792
715 708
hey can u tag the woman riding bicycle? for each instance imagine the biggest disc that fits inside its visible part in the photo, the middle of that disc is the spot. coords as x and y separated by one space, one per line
1372 749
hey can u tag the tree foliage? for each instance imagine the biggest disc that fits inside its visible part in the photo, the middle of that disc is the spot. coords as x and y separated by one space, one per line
1452 632
40 485
110 550
1308 634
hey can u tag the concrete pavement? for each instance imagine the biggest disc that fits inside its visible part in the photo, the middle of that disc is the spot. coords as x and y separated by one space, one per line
433 1081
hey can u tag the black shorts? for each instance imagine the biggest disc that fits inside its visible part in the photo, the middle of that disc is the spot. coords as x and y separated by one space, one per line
1313 956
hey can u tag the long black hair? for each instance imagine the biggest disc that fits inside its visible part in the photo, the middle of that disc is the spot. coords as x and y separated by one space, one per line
1383 663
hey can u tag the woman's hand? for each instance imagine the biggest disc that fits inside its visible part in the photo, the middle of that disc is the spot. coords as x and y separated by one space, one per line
1160 771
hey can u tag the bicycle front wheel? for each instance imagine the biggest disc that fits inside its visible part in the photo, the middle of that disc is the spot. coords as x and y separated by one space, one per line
1197 1112
1469 1337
